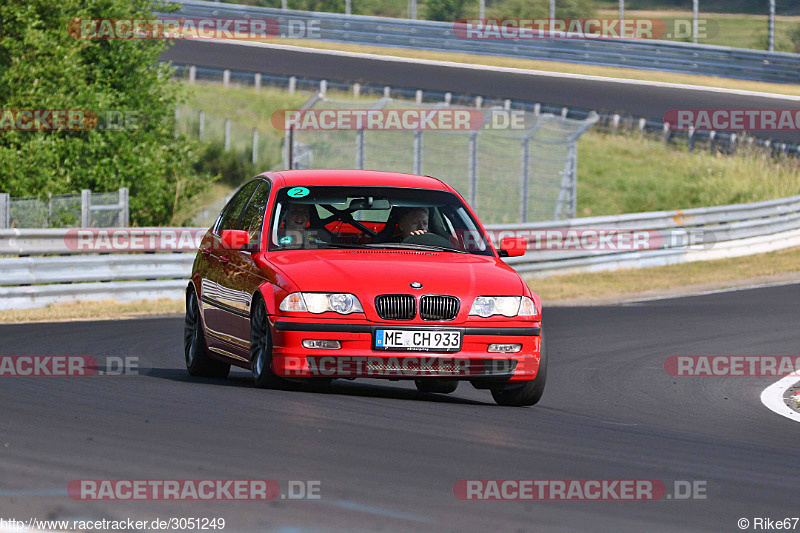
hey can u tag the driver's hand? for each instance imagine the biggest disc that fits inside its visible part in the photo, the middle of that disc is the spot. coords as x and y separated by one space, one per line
417 232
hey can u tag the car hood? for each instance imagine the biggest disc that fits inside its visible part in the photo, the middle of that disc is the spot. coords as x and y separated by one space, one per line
369 273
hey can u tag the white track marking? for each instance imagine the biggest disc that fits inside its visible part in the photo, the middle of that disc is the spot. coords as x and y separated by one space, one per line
772 397
530 72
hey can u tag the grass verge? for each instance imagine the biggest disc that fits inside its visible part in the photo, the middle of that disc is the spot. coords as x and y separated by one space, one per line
107 310
600 287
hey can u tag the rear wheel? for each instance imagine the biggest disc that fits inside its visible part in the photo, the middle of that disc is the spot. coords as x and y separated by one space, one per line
261 349
530 392
440 386
198 362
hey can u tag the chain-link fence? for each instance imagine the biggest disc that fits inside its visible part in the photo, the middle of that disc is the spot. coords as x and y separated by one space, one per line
518 166
88 209
257 146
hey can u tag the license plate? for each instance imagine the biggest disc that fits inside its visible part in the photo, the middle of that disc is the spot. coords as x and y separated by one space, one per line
418 339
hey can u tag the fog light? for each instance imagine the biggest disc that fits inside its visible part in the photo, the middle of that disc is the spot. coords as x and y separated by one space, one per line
321 344
504 348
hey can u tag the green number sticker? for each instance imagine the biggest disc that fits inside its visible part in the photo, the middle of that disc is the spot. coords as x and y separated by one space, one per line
286 240
298 192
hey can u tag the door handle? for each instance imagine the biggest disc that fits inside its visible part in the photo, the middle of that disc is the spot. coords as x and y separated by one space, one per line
223 259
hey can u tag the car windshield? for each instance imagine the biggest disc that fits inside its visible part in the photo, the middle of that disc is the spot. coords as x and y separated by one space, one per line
374 217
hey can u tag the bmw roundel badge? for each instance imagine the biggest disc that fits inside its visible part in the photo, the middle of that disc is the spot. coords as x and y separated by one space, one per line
416 285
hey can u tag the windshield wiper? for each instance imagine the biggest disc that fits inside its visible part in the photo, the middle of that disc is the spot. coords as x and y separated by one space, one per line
409 246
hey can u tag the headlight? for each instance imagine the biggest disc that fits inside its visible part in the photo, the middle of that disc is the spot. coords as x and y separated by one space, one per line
321 302
509 306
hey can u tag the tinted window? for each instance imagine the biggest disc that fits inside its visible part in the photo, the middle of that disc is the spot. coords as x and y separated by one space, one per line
234 208
253 217
373 217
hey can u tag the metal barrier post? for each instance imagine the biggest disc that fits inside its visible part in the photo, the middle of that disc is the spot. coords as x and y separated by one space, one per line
523 179
418 152
360 149
227 134
5 210
124 208
86 206
473 169
255 146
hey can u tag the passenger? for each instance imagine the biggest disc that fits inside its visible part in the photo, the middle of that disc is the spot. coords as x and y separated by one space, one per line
296 230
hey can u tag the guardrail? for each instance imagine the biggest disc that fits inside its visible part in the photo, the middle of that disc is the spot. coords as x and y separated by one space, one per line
777 67
39 278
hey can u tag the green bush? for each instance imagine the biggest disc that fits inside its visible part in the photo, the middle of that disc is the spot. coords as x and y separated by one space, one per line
445 10
43 67
794 37
541 9
232 167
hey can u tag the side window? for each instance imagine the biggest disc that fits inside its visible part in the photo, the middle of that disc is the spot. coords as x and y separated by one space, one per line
253 217
235 206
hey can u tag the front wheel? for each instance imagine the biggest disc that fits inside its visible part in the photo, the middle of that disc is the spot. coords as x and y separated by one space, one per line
528 393
198 362
261 349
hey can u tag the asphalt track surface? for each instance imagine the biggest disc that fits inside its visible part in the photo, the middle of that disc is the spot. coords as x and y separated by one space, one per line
637 100
387 457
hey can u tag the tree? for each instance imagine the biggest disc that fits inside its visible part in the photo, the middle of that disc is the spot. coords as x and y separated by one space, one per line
43 67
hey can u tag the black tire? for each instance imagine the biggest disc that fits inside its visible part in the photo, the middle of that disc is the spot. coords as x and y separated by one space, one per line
439 386
198 362
261 349
530 392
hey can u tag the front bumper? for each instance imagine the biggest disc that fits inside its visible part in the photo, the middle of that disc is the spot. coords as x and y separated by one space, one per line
358 358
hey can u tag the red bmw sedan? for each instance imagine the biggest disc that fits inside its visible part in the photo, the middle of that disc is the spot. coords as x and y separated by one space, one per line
314 275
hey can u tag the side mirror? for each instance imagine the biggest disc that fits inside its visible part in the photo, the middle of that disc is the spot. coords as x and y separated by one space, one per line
513 246
237 239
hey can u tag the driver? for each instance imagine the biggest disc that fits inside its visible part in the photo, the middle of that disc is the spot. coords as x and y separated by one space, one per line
413 221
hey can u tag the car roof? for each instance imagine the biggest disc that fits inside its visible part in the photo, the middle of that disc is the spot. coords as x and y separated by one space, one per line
374 178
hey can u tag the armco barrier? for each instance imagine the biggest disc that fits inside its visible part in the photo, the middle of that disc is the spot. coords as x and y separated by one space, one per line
440 36
40 278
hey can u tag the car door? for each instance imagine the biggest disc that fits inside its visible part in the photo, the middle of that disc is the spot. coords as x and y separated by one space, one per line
218 304
241 277
245 276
